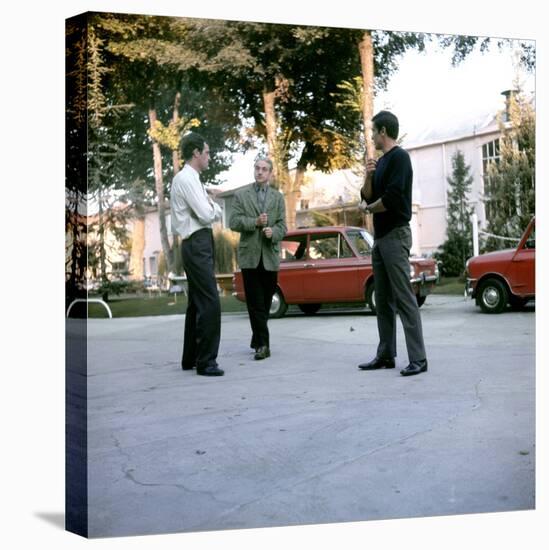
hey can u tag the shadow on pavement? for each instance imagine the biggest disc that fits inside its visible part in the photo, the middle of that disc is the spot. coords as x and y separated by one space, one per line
57 519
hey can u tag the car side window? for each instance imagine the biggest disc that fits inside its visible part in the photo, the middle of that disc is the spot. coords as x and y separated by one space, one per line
361 245
329 246
293 248
531 241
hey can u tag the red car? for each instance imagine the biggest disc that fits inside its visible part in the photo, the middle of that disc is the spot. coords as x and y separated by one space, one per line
497 279
322 265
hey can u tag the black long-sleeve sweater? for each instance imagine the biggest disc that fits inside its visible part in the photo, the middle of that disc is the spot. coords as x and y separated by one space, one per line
393 185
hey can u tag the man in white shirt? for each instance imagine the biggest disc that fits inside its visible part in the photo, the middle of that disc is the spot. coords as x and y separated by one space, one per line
192 214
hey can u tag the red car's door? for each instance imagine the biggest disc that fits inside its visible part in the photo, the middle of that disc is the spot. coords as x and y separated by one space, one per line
292 265
331 270
362 245
522 271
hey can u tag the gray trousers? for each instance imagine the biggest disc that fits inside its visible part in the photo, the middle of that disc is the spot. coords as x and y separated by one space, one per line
393 293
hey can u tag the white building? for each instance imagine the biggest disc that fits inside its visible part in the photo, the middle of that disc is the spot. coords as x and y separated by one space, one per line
432 165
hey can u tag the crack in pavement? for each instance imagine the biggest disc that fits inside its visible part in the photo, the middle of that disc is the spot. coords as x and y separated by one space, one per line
128 474
287 487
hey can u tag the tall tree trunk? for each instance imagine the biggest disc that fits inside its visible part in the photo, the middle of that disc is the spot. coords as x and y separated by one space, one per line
102 251
75 252
176 161
366 51
101 235
175 153
269 97
138 246
159 185
282 178
293 194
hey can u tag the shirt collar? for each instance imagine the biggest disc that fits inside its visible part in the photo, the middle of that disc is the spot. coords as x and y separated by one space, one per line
195 172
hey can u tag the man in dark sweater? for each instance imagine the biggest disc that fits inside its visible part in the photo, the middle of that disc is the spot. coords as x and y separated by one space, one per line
387 194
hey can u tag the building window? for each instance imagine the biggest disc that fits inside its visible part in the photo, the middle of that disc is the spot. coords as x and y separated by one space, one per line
120 269
490 155
154 266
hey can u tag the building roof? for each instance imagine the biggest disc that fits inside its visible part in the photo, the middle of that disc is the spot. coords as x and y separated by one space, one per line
452 129
457 126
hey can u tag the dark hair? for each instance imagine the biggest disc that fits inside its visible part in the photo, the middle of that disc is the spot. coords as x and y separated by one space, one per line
385 119
190 142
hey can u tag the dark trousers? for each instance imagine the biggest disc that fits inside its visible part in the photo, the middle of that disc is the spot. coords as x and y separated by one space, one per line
259 287
203 316
390 260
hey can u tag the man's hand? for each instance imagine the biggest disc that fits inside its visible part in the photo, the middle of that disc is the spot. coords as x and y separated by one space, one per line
373 208
370 167
268 232
261 220
366 191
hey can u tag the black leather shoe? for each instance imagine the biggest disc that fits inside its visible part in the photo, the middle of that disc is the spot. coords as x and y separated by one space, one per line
262 353
210 371
378 363
415 367
187 367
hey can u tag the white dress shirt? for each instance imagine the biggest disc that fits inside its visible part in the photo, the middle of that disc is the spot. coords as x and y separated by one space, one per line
191 207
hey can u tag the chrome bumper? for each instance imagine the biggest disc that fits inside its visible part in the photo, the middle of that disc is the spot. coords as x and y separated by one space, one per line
469 288
424 279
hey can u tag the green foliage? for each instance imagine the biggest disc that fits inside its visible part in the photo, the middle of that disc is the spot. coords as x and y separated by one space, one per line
350 95
76 169
170 136
177 257
103 156
453 254
107 288
299 67
459 211
450 285
150 59
463 46
162 268
225 243
146 306
321 219
510 183
458 246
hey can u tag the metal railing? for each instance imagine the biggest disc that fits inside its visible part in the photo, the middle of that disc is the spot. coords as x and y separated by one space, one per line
90 300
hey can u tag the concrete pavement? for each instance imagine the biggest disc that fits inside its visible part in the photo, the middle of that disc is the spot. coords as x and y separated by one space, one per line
304 436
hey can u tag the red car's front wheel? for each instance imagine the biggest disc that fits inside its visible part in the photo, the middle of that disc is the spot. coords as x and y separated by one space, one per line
278 305
492 296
